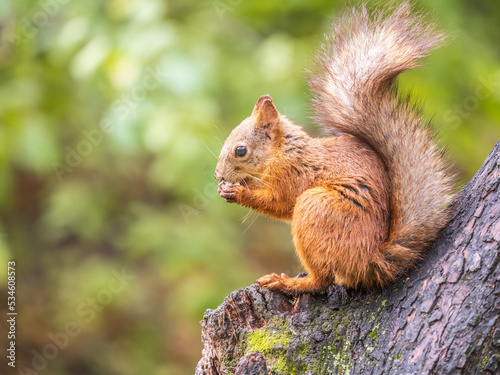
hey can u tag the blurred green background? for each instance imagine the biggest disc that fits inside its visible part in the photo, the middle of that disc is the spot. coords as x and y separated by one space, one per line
108 112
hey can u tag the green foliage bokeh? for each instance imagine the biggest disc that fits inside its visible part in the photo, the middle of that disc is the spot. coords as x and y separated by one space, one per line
111 117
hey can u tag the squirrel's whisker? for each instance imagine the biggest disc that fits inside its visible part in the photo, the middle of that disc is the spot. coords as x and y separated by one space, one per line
208 148
258 180
253 221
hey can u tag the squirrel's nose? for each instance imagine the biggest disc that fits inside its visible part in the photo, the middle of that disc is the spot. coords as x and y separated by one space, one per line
217 176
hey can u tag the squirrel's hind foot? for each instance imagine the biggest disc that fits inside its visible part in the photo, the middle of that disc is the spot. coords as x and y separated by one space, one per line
290 285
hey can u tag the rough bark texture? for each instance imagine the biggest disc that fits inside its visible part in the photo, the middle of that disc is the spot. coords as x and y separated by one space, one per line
442 318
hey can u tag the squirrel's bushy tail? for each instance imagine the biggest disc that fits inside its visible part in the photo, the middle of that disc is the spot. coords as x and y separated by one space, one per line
355 93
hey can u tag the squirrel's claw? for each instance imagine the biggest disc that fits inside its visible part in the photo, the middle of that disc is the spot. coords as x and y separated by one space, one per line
272 281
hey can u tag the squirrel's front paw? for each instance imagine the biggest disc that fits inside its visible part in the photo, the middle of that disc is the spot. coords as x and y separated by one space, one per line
230 192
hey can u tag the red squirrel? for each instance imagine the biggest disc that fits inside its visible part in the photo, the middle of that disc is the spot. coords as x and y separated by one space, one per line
367 200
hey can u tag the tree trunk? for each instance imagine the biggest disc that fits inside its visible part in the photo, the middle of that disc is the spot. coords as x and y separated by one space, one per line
441 318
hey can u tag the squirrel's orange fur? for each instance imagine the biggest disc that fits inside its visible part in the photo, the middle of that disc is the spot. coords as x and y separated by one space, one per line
365 202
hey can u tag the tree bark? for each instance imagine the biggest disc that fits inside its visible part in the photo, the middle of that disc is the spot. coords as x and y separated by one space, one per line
441 318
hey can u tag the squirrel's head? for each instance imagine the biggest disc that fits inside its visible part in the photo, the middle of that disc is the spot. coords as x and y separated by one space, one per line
250 145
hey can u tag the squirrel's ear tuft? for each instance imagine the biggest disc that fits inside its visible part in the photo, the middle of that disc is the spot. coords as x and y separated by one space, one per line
261 100
266 112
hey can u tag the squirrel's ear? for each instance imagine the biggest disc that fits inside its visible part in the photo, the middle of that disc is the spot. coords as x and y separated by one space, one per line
258 105
266 112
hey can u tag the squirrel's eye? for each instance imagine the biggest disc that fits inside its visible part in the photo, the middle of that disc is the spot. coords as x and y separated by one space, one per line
240 151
